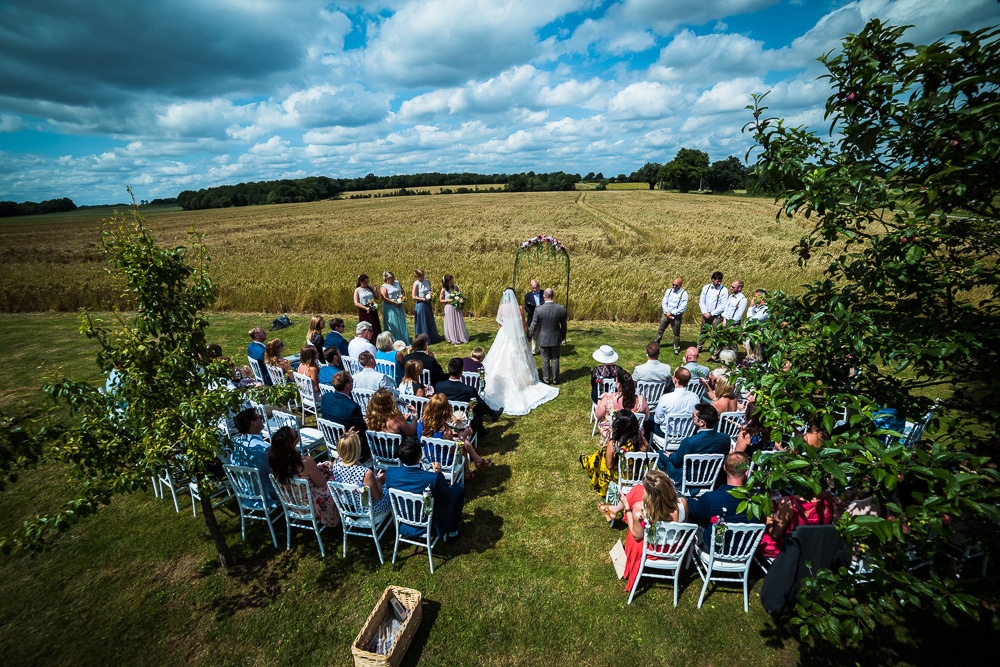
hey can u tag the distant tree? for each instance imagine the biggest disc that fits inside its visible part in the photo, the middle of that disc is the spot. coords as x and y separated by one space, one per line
649 173
621 178
727 175
686 171
589 177
598 177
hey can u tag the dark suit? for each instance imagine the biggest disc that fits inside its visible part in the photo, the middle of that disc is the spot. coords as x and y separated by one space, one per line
550 323
340 408
705 441
456 390
531 301
429 362
448 500
711 503
335 338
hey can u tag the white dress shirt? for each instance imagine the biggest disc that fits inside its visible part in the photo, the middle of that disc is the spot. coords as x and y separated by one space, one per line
736 305
675 301
678 403
359 345
713 299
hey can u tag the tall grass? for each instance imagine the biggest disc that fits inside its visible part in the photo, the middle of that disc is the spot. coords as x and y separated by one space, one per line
625 248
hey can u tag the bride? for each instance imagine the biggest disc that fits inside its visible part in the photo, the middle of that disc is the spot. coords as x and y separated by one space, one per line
511 377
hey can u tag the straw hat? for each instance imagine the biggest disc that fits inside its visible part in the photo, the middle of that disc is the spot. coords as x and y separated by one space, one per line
605 354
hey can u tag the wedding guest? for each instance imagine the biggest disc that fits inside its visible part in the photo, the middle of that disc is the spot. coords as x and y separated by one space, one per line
696 370
256 350
652 370
336 336
338 406
677 403
362 341
790 512
423 308
411 384
315 335
602 465
393 313
622 398
474 362
607 369
286 462
364 299
420 353
706 440
724 396
334 364
369 379
448 499
386 351
435 423
454 324
383 415
272 357
753 435
309 367
249 448
654 500
348 469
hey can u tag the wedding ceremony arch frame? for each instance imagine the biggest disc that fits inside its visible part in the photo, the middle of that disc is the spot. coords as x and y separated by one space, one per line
542 247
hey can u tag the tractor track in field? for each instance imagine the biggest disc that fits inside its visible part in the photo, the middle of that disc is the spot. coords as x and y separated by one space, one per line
617 230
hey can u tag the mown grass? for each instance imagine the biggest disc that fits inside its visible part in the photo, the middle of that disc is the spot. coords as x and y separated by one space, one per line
530 583
625 248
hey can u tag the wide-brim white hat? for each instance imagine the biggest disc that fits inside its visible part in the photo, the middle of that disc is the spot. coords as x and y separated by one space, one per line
605 354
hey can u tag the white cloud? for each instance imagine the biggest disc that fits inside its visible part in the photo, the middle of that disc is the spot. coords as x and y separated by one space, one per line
646 99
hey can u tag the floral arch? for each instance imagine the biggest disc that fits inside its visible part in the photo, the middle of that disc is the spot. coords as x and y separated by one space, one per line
542 247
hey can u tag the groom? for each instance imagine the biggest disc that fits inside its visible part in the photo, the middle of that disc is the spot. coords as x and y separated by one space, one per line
549 322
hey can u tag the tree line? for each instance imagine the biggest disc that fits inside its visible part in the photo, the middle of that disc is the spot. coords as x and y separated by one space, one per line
9 209
690 170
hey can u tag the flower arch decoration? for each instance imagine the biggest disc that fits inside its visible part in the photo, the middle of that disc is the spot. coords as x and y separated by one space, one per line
542 247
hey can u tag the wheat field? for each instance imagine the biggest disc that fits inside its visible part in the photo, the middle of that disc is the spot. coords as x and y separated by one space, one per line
625 247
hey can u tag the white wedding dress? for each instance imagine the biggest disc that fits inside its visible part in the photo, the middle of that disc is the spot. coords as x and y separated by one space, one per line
511 377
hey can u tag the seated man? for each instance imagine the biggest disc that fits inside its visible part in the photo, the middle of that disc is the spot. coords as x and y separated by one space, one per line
456 390
419 344
712 503
338 406
474 362
409 477
256 349
250 450
677 403
705 441
691 363
370 379
362 341
652 370
336 336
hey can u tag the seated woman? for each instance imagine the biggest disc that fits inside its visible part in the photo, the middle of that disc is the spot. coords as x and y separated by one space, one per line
272 357
385 351
724 396
334 364
384 415
654 500
347 470
602 465
435 424
315 335
791 512
411 384
309 367
607 369
286 462
727 358
622 398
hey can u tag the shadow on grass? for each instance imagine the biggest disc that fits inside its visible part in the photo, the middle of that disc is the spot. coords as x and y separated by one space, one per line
499 441
917 639
429 613
567 376
260 572
490 482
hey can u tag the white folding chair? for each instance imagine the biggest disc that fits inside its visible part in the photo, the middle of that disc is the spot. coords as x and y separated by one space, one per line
253 503
325 389
307 397
255 366
409 509
276 374
300 512
361 397
357 514
697 387
665 547
332 433
418 402
386 368
311 441
219 492
701 472
166 478
729 562
458 408
270 424
425 376
632 468
914 431
449 454
471 379
651 391
675 429
730 423
351 365
385 449
607 384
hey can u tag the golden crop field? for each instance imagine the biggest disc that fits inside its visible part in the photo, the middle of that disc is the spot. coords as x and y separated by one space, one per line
625 247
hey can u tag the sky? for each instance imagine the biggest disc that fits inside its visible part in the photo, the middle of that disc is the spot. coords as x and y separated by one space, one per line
166 96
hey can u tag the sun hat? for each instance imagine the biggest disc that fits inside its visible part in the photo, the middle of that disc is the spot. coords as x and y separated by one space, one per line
605 354
362 327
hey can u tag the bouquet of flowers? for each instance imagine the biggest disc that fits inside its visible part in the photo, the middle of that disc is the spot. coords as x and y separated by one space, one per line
458 300
719 525
372 306
401 299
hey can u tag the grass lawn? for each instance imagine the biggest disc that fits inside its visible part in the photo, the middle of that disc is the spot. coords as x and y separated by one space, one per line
529 583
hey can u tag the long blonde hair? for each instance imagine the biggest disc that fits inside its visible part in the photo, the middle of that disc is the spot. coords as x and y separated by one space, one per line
316 325
437 414
381 408
349 448
272 352
660 498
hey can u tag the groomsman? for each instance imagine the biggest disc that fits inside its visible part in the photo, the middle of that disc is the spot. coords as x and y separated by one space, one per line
532 300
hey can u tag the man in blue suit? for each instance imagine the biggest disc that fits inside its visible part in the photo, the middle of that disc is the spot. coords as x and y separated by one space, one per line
336 336
409 477
338 406
720 502
706 441
256 349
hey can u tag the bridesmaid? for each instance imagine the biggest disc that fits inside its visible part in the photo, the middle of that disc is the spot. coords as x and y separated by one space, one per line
393 313
423 317
363 296
454 324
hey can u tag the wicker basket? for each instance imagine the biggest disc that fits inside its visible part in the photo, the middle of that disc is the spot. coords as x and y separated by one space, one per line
364 658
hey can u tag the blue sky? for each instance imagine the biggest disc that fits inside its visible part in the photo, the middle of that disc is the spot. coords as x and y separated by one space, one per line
171 96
